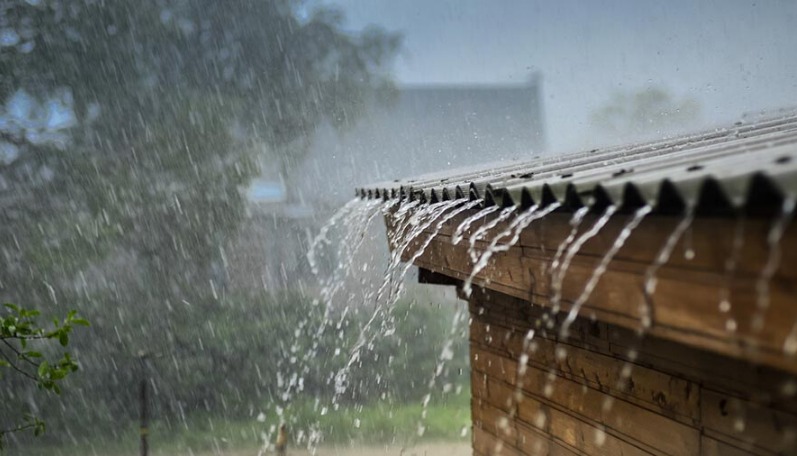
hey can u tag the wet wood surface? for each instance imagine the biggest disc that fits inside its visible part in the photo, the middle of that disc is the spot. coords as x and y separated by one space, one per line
598 392
715 259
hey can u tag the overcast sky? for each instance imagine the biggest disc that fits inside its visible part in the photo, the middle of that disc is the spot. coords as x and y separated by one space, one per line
731 56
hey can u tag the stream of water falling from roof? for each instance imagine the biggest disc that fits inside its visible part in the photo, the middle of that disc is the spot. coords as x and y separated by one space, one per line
598 272
730 267
354 235
649 284
463 227
514 229
350 223
420 220
774 237
465 205
575 224
321 237
482 231
571 253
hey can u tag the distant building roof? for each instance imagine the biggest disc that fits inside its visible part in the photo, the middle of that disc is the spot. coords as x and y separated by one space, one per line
742 167
426 128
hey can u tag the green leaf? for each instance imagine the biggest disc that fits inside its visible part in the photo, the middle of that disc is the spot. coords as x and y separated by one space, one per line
63 338
33 354
39 428
44 367
25 313
81 322
12 307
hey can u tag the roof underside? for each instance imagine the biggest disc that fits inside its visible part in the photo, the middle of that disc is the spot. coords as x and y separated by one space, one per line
750 168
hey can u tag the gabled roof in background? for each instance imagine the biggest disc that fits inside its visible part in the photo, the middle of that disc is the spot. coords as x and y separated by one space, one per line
423 128
748 167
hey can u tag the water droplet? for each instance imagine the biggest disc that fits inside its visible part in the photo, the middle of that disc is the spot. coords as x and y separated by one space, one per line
503 423
790 344
730 325
789 388
548 390
739 425
600 437
540 419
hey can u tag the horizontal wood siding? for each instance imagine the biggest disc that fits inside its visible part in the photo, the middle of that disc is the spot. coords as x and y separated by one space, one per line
685 305
605 391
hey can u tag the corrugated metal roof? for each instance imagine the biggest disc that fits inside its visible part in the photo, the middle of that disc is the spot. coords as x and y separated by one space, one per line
746 167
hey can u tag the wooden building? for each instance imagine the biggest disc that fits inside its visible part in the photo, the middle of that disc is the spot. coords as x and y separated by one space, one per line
687 343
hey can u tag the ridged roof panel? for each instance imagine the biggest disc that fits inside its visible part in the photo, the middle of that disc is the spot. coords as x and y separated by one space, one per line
741 168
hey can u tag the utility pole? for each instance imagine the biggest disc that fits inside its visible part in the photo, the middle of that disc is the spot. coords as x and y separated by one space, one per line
142 403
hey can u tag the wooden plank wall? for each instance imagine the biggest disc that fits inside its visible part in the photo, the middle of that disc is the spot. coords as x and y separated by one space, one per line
603 391
685 306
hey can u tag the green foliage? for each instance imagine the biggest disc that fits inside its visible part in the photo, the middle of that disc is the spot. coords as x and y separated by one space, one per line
177 105
380 424
226 363
19 331
176 102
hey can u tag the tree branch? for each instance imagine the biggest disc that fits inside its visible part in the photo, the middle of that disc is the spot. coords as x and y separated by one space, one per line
19 355
26 337
21 427
16 368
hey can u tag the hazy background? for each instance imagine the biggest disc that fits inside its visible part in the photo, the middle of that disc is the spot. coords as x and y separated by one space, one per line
165 166
732 57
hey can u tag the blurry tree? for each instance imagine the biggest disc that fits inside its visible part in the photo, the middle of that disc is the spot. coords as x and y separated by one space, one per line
128 132
650 110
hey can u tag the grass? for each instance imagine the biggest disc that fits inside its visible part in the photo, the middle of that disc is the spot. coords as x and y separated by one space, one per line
368 425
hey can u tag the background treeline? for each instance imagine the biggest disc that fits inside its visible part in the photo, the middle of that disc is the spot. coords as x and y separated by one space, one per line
129 132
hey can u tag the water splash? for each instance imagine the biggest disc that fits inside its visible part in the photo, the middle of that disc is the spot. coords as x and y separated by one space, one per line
571 253
446 355
598 272
649 284
514 229
774 237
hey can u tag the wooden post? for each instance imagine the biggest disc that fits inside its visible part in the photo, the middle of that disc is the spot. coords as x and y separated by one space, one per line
142 404
143 428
